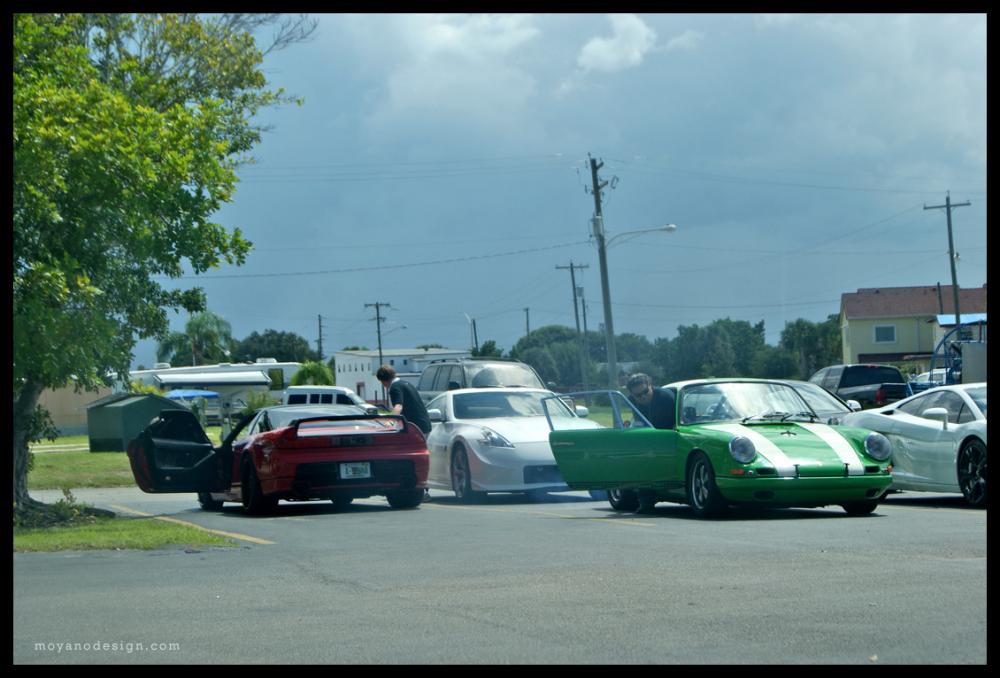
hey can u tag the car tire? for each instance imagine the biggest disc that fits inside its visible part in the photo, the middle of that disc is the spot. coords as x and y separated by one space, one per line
623 500
860 508
405 499
207 503
254 500
972 472
461 477
703 494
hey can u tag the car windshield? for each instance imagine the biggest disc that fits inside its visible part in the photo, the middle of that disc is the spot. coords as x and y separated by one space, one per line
819 398
740 400
494 404
978 395
862 375
500 374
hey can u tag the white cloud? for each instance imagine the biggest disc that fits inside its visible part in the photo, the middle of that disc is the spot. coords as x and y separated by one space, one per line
631 41
687 40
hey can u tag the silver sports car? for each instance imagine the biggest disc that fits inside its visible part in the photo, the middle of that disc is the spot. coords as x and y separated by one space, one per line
938 439
496 440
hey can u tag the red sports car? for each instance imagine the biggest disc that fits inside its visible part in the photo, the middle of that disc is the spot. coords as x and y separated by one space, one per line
295 453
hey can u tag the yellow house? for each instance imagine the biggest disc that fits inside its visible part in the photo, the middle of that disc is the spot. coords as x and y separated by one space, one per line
899 324
69 408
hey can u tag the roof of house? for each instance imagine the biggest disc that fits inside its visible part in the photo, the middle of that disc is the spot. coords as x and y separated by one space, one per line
406 352
875 302
204 379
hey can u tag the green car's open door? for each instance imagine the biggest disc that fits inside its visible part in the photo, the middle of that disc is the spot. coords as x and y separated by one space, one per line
626 453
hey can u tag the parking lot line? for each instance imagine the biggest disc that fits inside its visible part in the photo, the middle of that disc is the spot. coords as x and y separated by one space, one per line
546 514
231 535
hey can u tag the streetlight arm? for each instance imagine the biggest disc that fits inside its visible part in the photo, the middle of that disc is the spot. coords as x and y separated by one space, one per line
669 228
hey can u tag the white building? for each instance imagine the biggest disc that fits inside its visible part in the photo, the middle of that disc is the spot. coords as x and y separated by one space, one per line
356 369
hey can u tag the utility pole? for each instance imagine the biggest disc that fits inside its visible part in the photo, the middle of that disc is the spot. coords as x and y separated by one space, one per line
598 223
527 324
948 206
319 342
583 309
576 313
475 336
378 325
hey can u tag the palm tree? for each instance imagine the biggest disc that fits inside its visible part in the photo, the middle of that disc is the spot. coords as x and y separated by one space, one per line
207 338
314 373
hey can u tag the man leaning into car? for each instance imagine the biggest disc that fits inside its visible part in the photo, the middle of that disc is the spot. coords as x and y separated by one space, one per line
656 404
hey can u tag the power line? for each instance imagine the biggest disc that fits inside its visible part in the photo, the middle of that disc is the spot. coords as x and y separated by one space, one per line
377 268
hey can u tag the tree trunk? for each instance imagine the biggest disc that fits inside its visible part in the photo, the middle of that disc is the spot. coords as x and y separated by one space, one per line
25 402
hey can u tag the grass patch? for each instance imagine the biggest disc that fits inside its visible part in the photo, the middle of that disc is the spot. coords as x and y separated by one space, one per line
113 533
55 470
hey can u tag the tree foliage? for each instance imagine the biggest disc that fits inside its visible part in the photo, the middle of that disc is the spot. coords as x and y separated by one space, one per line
282 346
314 373
207 339
127 130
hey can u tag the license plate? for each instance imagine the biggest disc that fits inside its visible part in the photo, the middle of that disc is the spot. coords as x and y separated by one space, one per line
355 469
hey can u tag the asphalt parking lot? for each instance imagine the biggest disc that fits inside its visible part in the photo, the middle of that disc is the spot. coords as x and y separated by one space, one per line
512 581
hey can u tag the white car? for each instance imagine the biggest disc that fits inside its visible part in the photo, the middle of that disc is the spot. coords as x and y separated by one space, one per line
497 440
938 439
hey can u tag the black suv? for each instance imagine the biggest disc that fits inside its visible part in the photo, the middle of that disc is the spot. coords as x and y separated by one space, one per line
448 374
870 385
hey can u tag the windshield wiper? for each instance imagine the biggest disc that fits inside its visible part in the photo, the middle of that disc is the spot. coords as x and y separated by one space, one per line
767 416
811 415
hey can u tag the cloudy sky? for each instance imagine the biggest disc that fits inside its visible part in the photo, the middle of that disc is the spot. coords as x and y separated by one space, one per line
440 164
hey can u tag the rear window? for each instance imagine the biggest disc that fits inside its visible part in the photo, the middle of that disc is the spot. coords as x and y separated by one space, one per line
503 374
860 375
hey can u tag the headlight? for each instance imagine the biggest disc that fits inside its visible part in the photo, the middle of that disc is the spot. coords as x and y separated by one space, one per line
742 449
878 446
494 439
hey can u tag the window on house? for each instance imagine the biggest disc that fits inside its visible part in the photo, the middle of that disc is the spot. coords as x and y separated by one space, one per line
885 334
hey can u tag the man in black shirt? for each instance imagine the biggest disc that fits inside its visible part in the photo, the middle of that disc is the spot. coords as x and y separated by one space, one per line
656 404
404 398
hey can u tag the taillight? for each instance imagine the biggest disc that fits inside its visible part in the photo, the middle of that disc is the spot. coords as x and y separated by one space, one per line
880 396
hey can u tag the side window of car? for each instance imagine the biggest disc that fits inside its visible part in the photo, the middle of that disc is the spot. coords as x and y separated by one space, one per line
819 376
441 381
457 377
426 382
832 380
297 399
953 403
916 406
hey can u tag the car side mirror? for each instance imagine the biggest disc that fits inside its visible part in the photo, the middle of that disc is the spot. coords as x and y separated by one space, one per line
938 413
854 405
435 415
582 411
371 409
452 385
551 385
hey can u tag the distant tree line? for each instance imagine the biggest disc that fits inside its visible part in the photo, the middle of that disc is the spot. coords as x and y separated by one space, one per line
723 348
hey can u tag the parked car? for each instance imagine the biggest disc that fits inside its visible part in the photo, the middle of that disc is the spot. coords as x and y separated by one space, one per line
496 440
828 407
737 442
938 440
290 452
325 395
449 374
870 385
926 380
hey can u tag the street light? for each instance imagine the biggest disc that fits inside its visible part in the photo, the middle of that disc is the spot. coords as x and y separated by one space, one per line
609 328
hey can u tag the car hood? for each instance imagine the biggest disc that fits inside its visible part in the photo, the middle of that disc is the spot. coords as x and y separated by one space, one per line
528 429
795 448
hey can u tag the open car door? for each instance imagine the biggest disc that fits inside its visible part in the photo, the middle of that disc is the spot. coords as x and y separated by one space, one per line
173 454
627 453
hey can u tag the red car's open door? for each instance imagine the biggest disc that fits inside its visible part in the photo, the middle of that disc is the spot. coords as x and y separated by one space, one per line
173 454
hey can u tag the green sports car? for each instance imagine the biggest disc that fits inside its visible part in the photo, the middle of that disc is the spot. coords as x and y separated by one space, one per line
735 442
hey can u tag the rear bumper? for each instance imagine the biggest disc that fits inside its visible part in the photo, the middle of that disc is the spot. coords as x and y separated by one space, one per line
322 479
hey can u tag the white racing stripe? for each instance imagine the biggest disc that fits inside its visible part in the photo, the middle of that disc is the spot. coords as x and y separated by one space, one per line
836 441
765 448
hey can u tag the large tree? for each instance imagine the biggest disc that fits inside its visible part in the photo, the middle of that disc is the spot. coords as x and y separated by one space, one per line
127 132
207 338
282 346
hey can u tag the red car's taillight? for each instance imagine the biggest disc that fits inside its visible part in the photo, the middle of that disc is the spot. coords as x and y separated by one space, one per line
880 396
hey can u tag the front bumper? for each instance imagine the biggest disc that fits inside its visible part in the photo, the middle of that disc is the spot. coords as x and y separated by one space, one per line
803 491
